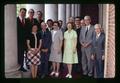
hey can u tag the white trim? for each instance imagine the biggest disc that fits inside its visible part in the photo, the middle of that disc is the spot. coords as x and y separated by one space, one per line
106 40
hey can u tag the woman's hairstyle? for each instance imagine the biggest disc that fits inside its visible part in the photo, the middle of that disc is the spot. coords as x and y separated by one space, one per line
34 25
97 26
71 24
56 22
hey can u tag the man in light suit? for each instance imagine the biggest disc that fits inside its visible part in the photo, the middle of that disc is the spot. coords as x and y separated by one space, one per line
98 50
86 36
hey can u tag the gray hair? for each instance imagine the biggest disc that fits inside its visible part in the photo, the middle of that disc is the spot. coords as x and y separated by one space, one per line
97 26
87 17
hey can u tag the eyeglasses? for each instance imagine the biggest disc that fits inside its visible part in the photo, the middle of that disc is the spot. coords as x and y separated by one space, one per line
31 12
77 20
55 25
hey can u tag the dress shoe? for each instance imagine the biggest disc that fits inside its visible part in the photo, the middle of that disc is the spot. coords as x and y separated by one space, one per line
23 70
56 74
52 73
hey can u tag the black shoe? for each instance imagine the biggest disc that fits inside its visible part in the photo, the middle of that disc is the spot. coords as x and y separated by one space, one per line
23 70
43 76
89 76
84 76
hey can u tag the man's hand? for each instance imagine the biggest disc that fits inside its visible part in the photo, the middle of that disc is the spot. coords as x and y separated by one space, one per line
44 50
103 57
92 57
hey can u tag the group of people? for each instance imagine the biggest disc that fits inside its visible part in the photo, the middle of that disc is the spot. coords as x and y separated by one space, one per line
49 46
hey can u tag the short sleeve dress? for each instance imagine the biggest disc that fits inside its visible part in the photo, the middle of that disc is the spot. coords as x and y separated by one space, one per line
69 57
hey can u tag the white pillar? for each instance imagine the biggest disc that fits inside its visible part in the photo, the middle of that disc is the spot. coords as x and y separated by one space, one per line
73 10
51 12
101 14
106 7
62 13
36 7
11 63
68 11
76 10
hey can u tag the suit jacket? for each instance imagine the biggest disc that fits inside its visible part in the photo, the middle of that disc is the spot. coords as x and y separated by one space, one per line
39 24
78 34
21 33
46 40
30 24
98 45
57 39
89 37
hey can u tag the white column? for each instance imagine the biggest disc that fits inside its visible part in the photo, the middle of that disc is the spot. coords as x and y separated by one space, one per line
106 7
51 11
101 14
36 7
73 10
62 13
76 10
68 11
11 63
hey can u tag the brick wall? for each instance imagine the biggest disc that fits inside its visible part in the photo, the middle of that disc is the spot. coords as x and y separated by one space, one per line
110 45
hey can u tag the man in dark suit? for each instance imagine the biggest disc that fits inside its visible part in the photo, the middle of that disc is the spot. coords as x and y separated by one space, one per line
45 49
39 19
31 20
98 51
49 24
21 35
86 37
78 67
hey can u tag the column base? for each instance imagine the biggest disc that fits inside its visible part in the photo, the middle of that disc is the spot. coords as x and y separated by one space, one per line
15 74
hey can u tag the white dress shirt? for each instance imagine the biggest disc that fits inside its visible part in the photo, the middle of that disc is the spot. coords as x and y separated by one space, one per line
21 19
88 27
98 35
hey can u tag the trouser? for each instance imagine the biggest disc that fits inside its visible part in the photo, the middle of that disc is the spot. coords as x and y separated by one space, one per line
87 63
99 65
44 63
78 67
21 56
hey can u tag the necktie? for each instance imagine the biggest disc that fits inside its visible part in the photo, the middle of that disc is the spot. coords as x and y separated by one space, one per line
23 22
86 32
44 34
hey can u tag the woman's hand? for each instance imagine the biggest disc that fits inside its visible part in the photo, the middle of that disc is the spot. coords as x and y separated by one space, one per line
32 51
59 50
36 50
74 50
